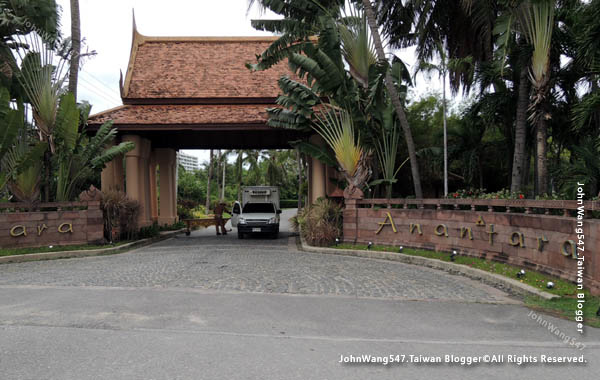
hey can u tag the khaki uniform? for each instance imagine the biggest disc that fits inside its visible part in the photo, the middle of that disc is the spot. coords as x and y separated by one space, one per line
220 222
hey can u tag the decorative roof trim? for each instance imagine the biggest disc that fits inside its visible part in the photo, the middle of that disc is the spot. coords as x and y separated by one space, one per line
102 113
136 40
200 101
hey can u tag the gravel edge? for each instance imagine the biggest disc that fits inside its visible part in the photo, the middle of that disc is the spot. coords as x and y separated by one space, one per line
87 252
506 284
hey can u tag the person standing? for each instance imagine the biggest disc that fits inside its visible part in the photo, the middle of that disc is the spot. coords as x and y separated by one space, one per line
220 222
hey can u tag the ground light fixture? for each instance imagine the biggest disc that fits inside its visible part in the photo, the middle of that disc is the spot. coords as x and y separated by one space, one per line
337 241
550 285
400 249
453 255
521 274
370 245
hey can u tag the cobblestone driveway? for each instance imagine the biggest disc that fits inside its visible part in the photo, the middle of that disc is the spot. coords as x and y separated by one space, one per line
208 262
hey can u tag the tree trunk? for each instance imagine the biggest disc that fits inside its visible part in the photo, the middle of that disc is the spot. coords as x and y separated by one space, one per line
208 180
224 158
526 169
518 166
240 161
47 174
395 98
299 159
445 133
542 164
75 47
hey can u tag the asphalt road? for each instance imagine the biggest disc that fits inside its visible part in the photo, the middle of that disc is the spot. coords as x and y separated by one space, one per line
208 307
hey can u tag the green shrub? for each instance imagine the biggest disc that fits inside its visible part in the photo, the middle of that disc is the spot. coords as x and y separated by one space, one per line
149 232
172 227
119 212
184 212
288 203
320 223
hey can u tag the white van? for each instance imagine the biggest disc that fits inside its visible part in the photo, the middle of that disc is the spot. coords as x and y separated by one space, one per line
258 212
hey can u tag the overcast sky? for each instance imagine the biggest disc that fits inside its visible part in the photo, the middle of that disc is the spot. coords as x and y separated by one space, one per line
106 27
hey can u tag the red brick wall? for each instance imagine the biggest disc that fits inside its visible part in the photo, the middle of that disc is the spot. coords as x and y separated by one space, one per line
556 229
87 225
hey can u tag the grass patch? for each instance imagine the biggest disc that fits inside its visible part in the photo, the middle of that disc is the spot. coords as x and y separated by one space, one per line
56 248
564 306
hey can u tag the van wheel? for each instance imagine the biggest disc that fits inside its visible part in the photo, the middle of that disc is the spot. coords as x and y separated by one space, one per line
240 235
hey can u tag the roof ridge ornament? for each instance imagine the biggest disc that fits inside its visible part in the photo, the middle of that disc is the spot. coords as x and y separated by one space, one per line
121 87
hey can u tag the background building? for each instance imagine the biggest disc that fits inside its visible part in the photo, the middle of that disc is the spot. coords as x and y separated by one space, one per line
189 163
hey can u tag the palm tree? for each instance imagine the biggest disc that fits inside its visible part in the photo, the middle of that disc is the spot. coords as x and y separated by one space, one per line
208 181
18 19
519 169
42 77
300 177
239 167
337 128
394 97
537 21
15 154
78 157
442 69
223 161
75 47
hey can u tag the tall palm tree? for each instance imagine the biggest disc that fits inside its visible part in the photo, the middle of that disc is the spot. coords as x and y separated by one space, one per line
394 97
239 165
537 22
519 168
442 69
208 181
75 47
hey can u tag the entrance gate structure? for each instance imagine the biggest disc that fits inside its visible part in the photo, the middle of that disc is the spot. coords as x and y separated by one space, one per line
192 93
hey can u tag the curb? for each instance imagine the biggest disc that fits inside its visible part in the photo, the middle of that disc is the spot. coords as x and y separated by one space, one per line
507 284
89 252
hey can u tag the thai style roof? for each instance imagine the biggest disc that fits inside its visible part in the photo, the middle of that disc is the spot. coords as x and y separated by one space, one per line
184 115
175 87
204 69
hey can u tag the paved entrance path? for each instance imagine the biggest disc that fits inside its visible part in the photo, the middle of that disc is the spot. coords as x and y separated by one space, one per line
208 307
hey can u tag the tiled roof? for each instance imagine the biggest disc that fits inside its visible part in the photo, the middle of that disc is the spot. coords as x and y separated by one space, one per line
199 68
191 114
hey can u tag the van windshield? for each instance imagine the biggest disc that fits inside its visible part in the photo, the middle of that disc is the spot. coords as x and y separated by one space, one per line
259 207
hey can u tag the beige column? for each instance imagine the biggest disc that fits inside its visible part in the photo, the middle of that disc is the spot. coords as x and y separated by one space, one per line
174 186
137 178
167 166
153 190
316 174
112 177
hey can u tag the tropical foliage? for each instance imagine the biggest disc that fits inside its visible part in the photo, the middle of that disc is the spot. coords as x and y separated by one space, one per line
243 168
51 150
528 72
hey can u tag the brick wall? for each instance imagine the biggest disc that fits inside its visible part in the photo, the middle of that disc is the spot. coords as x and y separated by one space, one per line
516 237
67 224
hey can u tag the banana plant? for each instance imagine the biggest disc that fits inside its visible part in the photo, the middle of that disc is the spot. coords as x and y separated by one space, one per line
78 157
387 151
24 182
16 154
